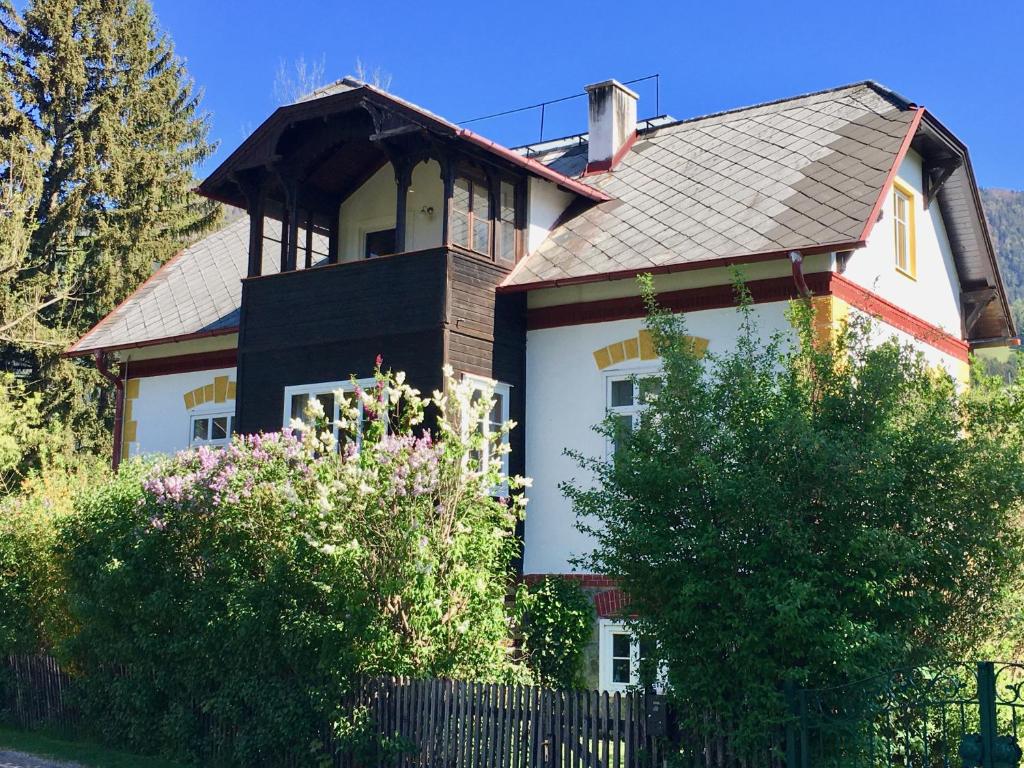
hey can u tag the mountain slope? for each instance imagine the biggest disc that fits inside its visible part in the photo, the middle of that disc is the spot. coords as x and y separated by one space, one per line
1004 209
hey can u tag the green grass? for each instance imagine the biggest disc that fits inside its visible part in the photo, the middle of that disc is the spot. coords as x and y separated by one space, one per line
86 753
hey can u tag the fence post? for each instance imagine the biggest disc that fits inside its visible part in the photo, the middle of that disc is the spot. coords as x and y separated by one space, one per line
987 710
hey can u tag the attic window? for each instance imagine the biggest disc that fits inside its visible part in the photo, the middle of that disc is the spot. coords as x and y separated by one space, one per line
903 225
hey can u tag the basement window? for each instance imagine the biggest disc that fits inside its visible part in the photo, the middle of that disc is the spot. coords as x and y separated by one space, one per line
903 225
619 657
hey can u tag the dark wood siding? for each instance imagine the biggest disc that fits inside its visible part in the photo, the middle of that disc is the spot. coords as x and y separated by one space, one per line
330 323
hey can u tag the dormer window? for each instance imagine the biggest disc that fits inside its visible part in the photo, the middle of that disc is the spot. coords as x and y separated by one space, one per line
471 215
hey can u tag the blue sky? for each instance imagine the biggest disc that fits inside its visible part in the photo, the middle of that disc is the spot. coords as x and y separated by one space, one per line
963 60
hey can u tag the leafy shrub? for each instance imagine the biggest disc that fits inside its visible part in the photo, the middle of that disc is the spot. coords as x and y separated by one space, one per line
227 599
806 511
557 620
33 603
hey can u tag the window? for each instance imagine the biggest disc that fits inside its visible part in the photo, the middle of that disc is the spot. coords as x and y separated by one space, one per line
619 659
505 239
212 429
379 243
471 215
491 423
628 395
296 398
903 224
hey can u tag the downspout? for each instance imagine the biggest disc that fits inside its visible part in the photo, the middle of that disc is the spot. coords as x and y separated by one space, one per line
103 366
797 260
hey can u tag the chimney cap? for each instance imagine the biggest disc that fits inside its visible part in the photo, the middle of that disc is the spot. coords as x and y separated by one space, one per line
613 83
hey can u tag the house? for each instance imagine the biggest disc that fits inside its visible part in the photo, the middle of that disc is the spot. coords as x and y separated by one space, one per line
377 227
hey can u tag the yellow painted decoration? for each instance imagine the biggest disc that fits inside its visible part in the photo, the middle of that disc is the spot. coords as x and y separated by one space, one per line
129 426
640 347
220 390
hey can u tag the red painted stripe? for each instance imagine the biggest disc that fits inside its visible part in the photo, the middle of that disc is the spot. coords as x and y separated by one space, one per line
200 361
686 300
762 292
902 153
899 318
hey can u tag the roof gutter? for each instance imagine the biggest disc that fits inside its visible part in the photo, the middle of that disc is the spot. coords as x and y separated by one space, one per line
686 266
75 352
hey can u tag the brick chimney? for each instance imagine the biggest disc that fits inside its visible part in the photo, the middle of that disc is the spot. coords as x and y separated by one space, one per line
612 124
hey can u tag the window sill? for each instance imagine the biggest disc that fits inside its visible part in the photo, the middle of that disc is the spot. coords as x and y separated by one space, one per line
907 274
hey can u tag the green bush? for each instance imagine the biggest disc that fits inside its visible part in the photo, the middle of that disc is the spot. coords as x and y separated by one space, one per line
806 511
33 602
557 621
227 599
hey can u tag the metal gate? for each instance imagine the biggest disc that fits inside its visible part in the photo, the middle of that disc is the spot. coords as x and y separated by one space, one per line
959 715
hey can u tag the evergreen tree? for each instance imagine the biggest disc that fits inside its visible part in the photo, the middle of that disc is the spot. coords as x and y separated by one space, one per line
100 129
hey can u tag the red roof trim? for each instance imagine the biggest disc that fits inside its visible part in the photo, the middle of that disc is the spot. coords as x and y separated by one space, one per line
74 352
77 349
897 161
584 190
686 266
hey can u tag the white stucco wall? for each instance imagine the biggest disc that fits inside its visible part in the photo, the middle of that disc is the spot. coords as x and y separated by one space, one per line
566 397
162 420
546 202
372 207
934 295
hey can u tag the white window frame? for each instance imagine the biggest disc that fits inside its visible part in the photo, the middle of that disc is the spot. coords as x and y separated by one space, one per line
608 629
210 416
327 388
482 383
634 410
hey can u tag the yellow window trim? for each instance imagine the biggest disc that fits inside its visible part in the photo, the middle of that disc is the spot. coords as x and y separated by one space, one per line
907 192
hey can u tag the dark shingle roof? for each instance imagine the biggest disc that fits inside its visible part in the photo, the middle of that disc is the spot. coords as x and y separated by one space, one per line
198 292
795 174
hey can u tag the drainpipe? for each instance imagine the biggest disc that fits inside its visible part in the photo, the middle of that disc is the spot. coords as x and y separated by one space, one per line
797 260
103 366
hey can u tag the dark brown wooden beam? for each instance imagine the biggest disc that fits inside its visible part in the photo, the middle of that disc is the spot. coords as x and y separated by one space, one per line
334 235
254 187
309 239
935 174
403 179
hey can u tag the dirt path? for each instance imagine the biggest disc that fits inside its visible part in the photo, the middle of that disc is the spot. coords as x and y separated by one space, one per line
21 760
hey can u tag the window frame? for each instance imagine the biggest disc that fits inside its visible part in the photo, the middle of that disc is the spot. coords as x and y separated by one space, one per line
209 416
634 410
493 184
901 190
327 388
505 390
607 630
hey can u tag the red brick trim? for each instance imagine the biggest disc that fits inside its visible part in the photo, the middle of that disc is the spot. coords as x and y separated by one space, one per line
870 302
611 604
200 361
594 580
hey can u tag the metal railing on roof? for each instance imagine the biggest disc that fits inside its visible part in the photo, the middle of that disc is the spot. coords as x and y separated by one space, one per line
542 106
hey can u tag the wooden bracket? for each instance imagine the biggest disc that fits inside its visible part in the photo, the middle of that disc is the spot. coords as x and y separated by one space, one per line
974 303
935 174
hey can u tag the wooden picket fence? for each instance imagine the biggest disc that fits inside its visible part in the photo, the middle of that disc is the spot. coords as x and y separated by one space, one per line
430 723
